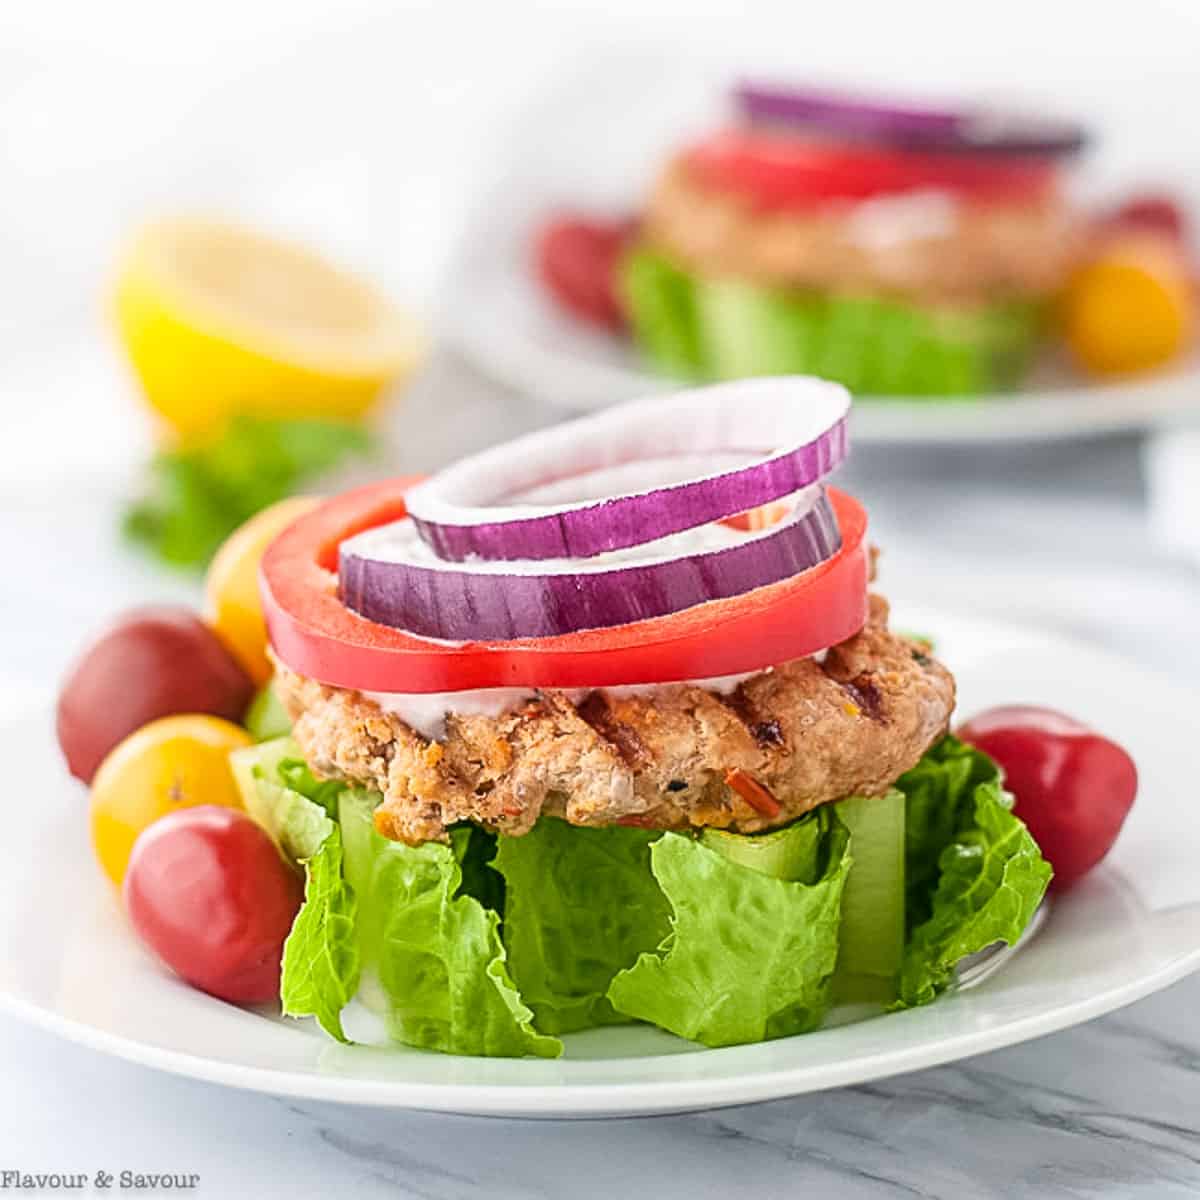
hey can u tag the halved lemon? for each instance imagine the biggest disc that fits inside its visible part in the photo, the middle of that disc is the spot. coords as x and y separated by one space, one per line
219 320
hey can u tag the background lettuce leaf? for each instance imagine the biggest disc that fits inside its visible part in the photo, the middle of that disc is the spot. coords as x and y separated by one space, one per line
434 950
196 496
581 905
320 956
661 300
725 328
749 957
975 874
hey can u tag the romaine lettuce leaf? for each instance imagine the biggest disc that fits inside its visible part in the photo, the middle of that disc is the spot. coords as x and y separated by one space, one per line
433 950
975 876
581 905
294 773
480 878
938 794
320 956
266 719
749 956
266 776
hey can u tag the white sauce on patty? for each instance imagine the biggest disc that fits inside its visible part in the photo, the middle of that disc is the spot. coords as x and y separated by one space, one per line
426 712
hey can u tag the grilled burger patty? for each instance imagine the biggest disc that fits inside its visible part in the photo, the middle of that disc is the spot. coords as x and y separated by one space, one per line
786 740
983 252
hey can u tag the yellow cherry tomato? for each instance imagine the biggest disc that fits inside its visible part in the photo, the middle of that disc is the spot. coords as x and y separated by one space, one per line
231 605
172 763
1130 308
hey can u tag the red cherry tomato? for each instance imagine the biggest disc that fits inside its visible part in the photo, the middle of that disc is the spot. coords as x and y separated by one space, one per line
150 662
1153 211
577 263
1074 787
208 892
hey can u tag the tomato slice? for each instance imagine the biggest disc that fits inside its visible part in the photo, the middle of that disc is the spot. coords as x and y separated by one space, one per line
774 172
314 634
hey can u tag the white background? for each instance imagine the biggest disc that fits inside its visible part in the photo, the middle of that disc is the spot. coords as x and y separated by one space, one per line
361 124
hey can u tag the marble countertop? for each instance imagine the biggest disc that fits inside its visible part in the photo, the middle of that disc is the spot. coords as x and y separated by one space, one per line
1106 1109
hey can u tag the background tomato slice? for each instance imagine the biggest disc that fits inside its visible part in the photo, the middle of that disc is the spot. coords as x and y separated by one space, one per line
314 634
772 171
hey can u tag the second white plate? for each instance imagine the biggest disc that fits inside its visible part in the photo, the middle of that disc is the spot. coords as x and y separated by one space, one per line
593 140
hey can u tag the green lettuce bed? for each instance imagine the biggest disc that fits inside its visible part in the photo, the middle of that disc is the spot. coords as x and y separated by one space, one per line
498 946
727 328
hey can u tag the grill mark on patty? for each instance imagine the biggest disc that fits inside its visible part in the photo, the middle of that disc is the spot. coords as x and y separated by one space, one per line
595 712
767 733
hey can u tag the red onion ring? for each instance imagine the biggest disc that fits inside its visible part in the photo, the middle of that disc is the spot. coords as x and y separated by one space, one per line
388 576
792 428
909 126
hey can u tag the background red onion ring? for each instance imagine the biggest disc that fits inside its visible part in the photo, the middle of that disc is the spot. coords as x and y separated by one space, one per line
967 130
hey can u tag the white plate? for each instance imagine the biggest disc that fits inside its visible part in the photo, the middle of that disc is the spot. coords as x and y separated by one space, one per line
593 141
69 963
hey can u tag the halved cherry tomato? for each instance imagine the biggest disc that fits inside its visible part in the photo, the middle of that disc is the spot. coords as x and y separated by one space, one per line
577 262
1074 788
773 171
173 763
209 893
316 635
231 603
